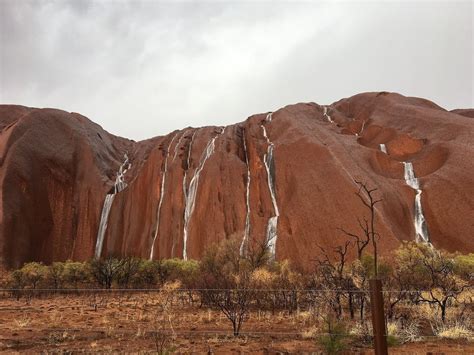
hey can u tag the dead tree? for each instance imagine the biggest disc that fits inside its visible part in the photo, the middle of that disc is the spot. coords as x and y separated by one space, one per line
225 276
367 226
333 276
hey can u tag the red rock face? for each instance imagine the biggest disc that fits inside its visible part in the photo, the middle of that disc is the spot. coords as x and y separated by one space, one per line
57 168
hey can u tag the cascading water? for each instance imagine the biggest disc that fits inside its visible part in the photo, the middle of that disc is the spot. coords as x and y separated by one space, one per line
421 227
178 144
361 129
247 201
325 113
109 199
270 168
162 193
119 185
410 178
185 177
188 162
191 191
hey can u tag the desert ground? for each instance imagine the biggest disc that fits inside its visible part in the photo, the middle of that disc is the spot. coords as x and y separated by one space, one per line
152 322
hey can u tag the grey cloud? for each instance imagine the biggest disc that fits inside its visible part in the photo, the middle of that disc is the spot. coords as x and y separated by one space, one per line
142 68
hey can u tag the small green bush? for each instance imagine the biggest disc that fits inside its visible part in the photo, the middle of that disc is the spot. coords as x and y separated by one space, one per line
334 339
392 340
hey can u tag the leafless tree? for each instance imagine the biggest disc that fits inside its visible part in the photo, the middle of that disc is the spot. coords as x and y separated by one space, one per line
332 271
226 278
368 233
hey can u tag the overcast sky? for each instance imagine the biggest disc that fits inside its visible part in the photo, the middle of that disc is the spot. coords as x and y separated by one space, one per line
144 68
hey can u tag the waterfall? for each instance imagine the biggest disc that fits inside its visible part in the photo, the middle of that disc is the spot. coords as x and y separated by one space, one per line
188 163
361 129
119 185
162 194
185 176
325 113
410 178
103 223
421 227
270 168
178 144
191 191
383 148
247 201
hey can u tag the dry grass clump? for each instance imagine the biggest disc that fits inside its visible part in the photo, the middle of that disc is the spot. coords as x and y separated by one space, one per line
457 330
23 322
361 331
404 333
262 278
410 332
310 333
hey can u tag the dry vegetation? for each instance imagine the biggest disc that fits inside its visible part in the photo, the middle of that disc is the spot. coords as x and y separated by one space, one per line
236 300
231 303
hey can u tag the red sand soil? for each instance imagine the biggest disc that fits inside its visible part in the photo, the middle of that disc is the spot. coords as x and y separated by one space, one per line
126 323
57 167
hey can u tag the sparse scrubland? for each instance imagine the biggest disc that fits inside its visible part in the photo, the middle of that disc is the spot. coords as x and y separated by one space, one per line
231 302
239 298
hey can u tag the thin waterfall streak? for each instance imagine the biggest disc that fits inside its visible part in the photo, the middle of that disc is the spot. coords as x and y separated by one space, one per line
325 113
120 183
421 227
162 194
188 163
119 186
190 197
185 176
272 226
109 199
361 129
383 148
178 144
268 161
247 201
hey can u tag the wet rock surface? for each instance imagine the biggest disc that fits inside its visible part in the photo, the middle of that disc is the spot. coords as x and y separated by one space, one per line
58 167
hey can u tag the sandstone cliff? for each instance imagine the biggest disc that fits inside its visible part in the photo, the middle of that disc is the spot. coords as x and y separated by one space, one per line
288 175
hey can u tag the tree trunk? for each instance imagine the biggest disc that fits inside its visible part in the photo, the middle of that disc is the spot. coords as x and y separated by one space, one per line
362 304
443 310
351 305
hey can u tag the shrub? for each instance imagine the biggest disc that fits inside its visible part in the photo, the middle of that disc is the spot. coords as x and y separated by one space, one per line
128 270
362 332
262 278
17 280
106 271
393 331
464 266
186 271
225 275
75 273
434 271
334 339
55 275
33 274
409 332
148 273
